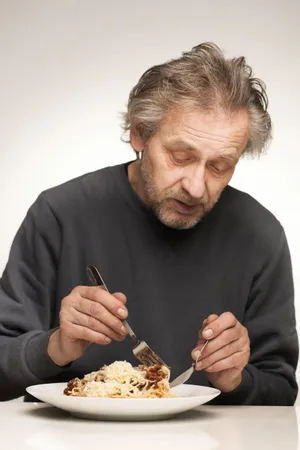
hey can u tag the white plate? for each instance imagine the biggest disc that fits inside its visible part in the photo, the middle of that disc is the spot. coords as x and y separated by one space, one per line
189 397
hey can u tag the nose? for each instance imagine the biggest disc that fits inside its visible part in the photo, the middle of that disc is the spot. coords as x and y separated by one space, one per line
194 182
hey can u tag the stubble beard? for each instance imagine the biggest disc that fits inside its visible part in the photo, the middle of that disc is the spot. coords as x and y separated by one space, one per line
161 205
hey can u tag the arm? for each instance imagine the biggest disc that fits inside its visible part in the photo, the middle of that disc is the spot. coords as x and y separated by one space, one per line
269 378
27 299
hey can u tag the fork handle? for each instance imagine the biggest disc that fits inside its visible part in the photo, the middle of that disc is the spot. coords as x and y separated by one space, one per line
97 280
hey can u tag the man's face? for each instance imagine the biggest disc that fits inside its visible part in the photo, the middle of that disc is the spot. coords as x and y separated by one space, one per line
186 165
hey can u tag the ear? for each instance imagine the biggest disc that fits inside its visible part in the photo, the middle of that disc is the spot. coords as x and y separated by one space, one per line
136 142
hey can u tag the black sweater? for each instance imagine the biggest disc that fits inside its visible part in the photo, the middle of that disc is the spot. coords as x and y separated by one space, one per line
236 259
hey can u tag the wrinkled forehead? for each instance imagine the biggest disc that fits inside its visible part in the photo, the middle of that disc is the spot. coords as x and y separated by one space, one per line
195 130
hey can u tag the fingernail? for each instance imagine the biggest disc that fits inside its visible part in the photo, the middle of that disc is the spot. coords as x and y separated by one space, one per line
198 365
122 313
107 340
208 333
123 330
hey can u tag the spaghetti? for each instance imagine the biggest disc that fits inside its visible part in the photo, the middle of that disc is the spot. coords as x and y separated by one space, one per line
122 380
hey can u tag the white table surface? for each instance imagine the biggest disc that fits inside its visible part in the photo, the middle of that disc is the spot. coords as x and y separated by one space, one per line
38 426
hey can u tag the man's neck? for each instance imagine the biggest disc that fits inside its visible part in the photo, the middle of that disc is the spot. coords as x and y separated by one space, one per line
135 179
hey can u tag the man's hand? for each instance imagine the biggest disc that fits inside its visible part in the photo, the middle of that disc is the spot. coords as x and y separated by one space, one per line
227 352
87 315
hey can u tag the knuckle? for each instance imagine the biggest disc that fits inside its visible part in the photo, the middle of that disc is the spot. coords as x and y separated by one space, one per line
244 331
94 309
92 323
67 329
229 362
246 342
116 323
247 354
115 336
100 292
100 339
213 367
218 366
228 350
66 301
228 336
64 326
63 317
85 334
70 300
77 290
236 359
208 362
230 317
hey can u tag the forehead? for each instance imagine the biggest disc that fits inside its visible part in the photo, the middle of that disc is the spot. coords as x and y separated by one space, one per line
198 130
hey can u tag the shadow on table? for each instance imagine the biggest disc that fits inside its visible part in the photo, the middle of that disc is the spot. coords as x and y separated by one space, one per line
52 413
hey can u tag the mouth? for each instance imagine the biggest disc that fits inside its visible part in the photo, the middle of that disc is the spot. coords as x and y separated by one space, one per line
185 207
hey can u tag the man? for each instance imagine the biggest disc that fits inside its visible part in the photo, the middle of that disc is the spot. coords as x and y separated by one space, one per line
189 257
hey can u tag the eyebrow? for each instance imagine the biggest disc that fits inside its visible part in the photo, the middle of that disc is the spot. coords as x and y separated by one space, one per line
181 144
189 147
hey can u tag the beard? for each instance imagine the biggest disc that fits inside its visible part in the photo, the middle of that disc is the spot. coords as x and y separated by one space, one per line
164 205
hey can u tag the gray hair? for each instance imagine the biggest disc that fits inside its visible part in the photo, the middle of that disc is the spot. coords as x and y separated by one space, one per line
201 78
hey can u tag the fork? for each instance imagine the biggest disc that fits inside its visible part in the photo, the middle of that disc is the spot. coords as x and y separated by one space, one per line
188 373
140 349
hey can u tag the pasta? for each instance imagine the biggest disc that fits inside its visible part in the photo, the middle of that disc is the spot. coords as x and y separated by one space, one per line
122 380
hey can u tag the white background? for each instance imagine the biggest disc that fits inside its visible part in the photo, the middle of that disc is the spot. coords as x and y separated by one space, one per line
66 70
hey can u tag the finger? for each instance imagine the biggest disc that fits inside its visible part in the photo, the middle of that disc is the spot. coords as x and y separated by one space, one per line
205 322
94 324
215 344
216 327
197 352
100 295
98 311
211 318
222 353
75 331
238 360
201 341
225 338
120 296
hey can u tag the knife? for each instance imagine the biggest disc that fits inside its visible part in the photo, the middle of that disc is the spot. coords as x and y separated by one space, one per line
188 373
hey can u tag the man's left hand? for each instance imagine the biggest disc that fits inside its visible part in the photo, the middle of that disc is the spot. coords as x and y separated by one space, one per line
227 352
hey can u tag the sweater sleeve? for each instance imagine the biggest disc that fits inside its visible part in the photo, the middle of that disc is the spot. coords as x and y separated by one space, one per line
27 302
269 378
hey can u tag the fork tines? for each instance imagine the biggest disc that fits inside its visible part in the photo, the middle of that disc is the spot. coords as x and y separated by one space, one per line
147 356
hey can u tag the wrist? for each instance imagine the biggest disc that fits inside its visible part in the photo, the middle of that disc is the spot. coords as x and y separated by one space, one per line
55 351
234 384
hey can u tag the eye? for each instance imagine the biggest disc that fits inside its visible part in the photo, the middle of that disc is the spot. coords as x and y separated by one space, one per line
219 169
180 158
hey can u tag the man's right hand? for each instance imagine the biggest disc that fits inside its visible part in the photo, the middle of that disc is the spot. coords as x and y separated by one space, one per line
87 315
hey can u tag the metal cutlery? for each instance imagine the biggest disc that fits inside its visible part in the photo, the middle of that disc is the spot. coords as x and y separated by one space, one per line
140 349
188 373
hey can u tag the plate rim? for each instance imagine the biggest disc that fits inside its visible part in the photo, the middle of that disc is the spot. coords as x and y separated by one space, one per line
213 391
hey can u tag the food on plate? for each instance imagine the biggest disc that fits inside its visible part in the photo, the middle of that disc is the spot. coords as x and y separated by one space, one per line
121 380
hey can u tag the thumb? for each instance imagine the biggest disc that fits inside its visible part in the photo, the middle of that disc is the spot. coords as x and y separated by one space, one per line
206 322
201 340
